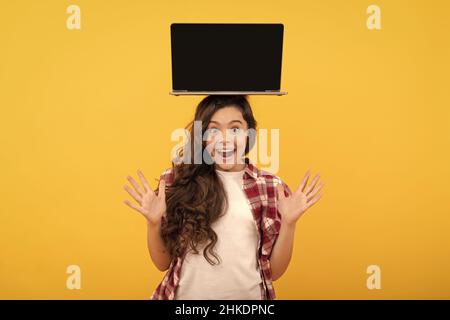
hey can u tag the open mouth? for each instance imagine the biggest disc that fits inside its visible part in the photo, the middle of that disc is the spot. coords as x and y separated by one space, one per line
225 153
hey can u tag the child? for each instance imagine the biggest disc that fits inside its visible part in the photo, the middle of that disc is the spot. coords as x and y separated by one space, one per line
221 227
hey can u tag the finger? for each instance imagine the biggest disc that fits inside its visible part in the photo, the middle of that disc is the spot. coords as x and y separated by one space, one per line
303 183
144 181
133 206
133 193
162 189
280 191
135 185
314 192
312 184
314 200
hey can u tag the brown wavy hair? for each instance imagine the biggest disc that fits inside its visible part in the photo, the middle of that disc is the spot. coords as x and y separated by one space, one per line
197 197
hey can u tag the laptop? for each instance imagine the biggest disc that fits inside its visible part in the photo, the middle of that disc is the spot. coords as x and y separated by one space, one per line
226 58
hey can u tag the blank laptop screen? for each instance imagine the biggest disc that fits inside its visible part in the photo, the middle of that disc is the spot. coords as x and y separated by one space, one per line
226 57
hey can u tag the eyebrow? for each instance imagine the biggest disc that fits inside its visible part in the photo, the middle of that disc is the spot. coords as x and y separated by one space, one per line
212 121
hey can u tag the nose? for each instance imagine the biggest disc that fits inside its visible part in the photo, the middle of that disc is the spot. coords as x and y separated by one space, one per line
226 141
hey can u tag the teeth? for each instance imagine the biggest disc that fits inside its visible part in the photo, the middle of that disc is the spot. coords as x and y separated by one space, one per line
226 153
223 152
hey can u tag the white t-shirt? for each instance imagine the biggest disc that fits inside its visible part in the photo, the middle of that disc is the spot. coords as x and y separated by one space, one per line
237 275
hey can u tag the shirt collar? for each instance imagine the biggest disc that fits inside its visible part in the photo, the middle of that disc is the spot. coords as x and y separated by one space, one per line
250 169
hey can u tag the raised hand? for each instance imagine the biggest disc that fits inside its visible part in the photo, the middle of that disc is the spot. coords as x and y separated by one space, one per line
293 206
152 206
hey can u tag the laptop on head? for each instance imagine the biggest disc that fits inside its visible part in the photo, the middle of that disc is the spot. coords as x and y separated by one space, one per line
226 58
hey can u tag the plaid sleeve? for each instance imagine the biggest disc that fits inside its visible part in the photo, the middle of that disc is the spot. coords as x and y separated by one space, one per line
272 217
287 192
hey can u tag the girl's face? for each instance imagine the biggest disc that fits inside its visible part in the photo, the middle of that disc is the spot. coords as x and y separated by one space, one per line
226 139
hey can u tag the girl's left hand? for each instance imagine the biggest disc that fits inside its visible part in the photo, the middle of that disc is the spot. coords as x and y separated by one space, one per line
292 207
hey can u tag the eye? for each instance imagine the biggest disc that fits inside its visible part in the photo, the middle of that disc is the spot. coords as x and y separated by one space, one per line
235 130
212 131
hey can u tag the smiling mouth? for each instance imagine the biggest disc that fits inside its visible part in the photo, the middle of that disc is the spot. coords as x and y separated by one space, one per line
225 153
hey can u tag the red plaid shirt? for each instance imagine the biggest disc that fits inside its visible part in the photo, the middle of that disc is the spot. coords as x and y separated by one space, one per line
260 188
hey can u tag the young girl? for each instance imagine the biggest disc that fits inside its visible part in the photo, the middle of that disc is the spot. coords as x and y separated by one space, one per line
221 227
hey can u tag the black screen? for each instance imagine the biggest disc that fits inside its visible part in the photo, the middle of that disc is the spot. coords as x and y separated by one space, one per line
226 57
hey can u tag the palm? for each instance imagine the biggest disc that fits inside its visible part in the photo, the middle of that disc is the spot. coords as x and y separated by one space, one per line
294 205
152 206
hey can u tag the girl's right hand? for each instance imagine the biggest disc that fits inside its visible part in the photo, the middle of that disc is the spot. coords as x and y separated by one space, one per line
152 206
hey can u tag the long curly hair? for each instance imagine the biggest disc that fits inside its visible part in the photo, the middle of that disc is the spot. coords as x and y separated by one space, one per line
197 197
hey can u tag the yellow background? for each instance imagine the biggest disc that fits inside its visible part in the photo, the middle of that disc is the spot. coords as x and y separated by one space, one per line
369 110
